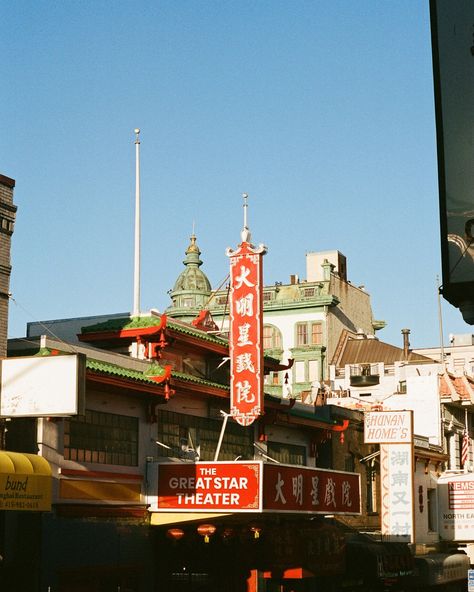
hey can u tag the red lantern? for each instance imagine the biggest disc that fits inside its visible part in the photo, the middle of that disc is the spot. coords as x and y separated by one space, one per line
175 533
228 534
206 531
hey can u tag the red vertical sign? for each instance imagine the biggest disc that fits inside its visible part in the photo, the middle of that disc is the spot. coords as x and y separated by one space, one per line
245 339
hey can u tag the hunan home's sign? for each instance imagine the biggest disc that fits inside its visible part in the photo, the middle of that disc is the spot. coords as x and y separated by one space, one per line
255 487
388 427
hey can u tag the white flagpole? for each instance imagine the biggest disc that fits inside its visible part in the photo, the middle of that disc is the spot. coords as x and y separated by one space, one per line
136 280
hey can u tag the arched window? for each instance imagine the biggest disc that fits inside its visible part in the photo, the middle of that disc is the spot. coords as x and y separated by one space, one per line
271 337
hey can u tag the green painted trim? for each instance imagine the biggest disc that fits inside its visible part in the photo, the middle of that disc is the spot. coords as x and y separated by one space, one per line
112 369
146 322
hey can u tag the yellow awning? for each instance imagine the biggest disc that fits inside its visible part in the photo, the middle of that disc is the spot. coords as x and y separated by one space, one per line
22 463
25 482
163 518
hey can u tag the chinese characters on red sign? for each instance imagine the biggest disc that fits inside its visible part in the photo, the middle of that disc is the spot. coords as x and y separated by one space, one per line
299 489
245 339
240 487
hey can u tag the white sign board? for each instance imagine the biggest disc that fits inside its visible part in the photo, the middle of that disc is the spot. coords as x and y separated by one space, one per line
42 386
456 507
396 468
388 427
470 580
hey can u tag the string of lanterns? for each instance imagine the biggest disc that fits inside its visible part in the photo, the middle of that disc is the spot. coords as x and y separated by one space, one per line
206 531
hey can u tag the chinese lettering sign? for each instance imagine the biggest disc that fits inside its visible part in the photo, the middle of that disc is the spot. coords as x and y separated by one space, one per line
396 468
252 486
301 489
245 339
210 486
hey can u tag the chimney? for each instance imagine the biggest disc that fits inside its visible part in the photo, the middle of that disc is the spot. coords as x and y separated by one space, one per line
406 343
294 279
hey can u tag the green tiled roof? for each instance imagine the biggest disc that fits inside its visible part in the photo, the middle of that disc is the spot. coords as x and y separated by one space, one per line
107 368
190 378
115 370
146 322
123 323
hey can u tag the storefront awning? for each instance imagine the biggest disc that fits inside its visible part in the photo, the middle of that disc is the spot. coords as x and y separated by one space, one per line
164 518
25 482
23 463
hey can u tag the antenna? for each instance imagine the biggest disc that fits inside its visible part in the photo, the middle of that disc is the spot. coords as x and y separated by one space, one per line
245 234
440 321
136 275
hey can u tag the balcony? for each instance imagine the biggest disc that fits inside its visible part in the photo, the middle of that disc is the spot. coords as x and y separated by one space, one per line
364 375
365 380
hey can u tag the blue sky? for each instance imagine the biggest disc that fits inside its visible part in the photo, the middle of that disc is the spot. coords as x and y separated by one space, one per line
322 111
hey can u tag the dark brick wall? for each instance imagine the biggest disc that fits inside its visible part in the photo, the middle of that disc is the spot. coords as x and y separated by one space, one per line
7 220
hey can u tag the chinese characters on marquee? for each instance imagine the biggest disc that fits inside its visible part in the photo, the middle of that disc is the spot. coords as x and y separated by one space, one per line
289 488
245 339
253 486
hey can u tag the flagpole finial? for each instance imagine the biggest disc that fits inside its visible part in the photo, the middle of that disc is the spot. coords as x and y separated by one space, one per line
245 234
137 134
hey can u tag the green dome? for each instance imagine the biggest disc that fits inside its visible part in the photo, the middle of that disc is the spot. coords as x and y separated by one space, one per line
192 289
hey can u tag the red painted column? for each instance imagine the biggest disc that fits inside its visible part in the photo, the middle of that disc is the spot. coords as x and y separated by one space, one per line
252 581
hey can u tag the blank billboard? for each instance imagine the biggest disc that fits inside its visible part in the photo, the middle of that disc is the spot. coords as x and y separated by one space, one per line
42 386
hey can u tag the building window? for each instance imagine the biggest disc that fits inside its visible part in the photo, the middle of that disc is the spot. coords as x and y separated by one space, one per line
291 454
313 370
316 333
371 491
432 510
302 334
104 438
402 387
189 302
349 463
271 337
179 432
299 372
309 334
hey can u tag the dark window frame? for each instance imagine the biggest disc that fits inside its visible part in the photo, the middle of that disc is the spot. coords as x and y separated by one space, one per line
103 438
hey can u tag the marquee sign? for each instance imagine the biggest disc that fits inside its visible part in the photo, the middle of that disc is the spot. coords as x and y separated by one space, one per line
289 488
246 328
210 487
252 486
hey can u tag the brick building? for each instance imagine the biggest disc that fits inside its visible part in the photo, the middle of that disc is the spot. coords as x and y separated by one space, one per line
7 221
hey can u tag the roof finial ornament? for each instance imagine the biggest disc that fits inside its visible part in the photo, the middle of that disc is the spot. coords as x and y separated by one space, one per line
245 234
